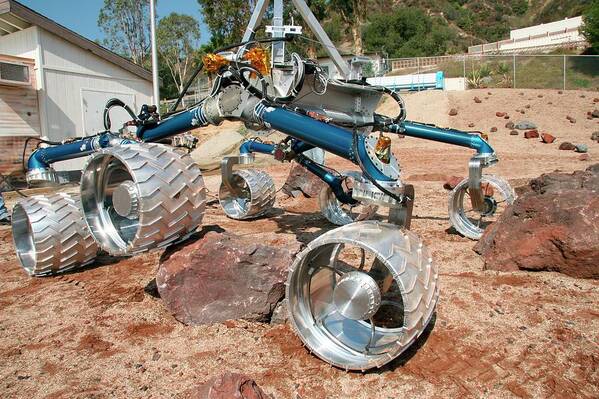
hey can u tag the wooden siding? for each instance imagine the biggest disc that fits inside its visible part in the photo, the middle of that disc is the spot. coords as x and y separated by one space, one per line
19 110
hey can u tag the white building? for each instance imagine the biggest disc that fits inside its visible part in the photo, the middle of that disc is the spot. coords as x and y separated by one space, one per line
543 37
71 79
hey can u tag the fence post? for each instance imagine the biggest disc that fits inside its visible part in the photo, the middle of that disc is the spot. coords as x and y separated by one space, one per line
514 68
464 59
564 72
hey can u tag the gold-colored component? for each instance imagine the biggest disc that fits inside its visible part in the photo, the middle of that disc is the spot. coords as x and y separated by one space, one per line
214 62
259 59
383 149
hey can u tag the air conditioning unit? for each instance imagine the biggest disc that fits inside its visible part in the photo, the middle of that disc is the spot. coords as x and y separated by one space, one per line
14 74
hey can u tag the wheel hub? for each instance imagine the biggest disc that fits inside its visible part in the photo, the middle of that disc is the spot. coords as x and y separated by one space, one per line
490 206
357 296
125 199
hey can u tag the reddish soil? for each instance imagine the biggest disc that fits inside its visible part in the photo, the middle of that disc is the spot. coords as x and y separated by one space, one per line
101 332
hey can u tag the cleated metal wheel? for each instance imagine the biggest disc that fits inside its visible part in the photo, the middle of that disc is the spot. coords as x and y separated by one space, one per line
141 196
341 214
361 294
50 235
471 222
254 194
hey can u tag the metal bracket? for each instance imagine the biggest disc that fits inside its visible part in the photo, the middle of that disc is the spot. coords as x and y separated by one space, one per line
402 216
226 168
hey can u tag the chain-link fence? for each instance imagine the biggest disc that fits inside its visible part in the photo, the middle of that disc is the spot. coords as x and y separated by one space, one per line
566 72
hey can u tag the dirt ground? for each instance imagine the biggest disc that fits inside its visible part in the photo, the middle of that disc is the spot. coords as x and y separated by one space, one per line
101 332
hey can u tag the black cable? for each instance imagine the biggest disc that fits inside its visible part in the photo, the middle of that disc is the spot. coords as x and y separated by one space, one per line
368 176
220 50
6 179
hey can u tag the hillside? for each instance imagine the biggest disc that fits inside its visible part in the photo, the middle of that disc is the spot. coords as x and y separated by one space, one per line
456 23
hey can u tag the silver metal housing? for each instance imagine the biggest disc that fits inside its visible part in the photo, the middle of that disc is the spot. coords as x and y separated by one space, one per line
341 214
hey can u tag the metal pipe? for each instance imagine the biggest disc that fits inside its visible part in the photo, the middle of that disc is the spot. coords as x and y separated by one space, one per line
333 181
449 136
155 78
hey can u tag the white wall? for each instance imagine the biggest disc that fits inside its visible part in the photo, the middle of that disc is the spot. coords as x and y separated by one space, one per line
69 71
568 23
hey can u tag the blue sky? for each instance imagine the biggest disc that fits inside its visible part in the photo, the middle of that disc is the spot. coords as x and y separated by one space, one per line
82 16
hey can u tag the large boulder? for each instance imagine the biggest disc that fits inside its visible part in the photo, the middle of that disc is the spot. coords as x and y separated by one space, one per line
229 386
553 226
222 277
300 180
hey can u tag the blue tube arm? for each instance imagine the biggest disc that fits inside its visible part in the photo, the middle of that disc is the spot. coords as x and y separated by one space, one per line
333 181
449 136
42 158
256 146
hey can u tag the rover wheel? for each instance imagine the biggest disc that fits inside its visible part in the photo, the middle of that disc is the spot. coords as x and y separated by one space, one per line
471 223
253 195
361 294
341 214
138 197
50 235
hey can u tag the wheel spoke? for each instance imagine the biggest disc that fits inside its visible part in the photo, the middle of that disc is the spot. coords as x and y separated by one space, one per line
372 335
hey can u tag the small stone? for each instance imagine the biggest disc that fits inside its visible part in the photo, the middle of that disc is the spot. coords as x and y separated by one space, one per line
493 129
477 100
567 146
510 125
527 106
500 114
514 133
571 119
547 138
583 157
156 356
452 182
549 103
489 93
540 96
596 100
471 125
595 113
522 112
525 125
453 112
521 93
582 148
583 96
560 92
506 116
531 134
595 136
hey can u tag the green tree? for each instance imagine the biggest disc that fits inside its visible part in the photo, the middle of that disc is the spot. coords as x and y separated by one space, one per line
414 34
353 13
226 19
590 29
126 24
177 37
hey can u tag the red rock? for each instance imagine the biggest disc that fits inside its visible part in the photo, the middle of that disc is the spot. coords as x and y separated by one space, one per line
224 277
567 146
584 157
229 386
500 114
453 112
301 179
551 227
531 134
547 138
493 129
477 100
451 182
